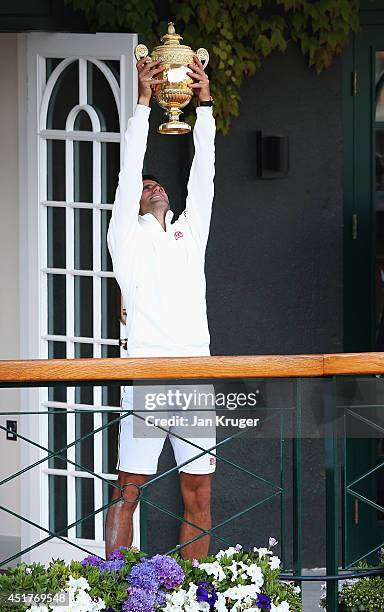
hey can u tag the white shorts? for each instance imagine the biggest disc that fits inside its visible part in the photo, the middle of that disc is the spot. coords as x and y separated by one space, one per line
142 434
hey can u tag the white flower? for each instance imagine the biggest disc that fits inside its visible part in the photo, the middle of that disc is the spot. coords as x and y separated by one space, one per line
241 591
256 574
275 563
262 552
229 552
282 607
213 569
297 589
28 570
220 604
78 583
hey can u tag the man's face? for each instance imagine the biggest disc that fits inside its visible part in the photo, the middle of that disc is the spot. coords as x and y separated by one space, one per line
153 198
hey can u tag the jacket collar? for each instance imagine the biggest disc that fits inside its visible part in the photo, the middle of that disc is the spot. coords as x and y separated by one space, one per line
149 221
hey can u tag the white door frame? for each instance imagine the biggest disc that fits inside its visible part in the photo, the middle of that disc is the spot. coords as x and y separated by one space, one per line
31 48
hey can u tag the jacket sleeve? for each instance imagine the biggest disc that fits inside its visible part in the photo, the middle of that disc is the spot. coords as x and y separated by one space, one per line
124 221
200 184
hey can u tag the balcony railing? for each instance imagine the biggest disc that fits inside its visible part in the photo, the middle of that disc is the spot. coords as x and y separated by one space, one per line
331 375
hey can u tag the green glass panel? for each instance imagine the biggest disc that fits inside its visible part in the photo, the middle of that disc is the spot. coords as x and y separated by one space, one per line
56 304
100 96
110 305
58 504
82 171
85 504
84 306
65 95
56 170
83 239
83 122
110 168
106 261
56 248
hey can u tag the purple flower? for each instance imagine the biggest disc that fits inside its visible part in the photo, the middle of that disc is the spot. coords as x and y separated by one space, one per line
206 592
263 602
195 563
272 542
143 576
168 571
139 600
117 554
238 547
92 560
112 566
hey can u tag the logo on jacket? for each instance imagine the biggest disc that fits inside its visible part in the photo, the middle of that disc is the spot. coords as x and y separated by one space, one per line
178 235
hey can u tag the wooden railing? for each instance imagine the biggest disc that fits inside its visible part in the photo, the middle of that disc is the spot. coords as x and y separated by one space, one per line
245 366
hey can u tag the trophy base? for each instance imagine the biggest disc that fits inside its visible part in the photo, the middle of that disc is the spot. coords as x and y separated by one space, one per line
174 127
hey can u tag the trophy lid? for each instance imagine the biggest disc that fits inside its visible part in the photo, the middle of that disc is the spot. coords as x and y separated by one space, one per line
171 39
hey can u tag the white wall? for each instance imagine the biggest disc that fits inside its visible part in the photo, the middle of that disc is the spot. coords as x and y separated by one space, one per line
9 271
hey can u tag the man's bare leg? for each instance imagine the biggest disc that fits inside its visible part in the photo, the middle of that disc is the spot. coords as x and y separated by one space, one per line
196 493
119 524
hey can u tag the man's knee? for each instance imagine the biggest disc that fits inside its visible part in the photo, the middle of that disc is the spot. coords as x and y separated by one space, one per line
196 491
130 487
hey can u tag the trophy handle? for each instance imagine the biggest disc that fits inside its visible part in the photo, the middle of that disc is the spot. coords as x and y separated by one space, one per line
203 56
140 51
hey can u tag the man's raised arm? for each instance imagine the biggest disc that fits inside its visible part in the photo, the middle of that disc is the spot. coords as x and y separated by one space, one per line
200 184
125 212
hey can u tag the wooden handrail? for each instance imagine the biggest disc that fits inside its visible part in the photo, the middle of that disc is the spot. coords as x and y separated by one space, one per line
258 366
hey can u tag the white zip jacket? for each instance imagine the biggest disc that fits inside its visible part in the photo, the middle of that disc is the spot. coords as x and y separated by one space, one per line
161 273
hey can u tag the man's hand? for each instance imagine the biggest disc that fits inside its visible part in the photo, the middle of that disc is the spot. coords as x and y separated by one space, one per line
201 80
147 70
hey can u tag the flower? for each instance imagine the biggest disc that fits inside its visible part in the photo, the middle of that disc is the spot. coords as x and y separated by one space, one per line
206 592
92 560
168 571
238 547
272 542
282 607
263 602
112 565
275 563
139 600
28 570
262 552
213 569
117 554
195 563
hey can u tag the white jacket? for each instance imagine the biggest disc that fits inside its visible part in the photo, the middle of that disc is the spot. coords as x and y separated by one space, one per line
161 273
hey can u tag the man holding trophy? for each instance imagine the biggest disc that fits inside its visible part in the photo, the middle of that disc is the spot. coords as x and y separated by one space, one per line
159 266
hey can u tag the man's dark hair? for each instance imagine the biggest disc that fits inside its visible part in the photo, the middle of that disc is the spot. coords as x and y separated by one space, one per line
151 177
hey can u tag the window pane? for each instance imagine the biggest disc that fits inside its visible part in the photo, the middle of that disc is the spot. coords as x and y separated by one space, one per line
57 436
56 170
83 178
100 96
55 237
110 168
57 350
50 65
110 305
56 304
58 504
65 96
83 122
83 239
106 261
84 394
84 449
110 441
85 504
84 306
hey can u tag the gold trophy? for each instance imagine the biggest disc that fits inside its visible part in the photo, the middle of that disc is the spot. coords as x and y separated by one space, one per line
175 93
